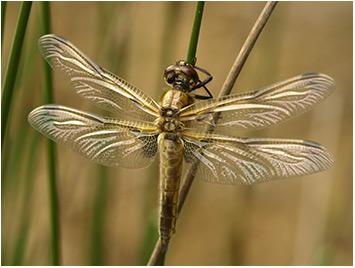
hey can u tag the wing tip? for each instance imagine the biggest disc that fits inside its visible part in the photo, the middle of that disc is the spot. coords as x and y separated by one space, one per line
323 79
51 36
327 158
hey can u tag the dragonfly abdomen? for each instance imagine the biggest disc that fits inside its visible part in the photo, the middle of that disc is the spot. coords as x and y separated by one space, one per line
171 155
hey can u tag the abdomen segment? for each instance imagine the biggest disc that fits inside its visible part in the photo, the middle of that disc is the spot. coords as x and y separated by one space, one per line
171 157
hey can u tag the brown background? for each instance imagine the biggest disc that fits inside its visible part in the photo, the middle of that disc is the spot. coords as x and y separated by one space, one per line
303 221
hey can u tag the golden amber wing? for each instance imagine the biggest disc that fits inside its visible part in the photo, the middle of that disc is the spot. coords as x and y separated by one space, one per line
228 160
94 83
106 141
262 108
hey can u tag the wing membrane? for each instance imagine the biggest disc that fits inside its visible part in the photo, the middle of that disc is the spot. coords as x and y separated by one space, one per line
105 141
247 161
94 83
262 108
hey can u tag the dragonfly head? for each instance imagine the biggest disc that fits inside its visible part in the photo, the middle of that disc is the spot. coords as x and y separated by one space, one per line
182 76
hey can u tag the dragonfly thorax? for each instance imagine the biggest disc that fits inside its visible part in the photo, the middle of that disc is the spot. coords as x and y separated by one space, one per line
169 121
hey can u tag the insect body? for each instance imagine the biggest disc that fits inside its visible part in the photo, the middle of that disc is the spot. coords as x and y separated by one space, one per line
177 126
171 146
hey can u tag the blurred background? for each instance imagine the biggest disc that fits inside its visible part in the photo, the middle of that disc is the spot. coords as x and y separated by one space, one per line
108 215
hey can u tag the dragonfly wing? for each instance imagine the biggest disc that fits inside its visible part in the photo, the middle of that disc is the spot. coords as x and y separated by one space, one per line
105 141
247 161
94 83
262 108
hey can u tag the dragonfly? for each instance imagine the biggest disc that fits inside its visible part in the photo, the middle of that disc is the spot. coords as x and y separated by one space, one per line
179 127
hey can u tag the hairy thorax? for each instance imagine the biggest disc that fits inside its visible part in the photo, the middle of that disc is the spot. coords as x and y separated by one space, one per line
171 103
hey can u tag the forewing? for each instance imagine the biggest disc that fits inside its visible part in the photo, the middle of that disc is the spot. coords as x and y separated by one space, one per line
262 108
247 161
105 141
94 83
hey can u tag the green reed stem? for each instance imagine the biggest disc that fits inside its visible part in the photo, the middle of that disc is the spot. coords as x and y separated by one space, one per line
10 172
97 228
3 12
22 234
12 67
47 98
54 208
191 54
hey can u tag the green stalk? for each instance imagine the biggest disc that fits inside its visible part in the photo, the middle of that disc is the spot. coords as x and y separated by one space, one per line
22 234
18 165
3 12
53 198
191 54
12 67
54 209
47 93
14 150
98 217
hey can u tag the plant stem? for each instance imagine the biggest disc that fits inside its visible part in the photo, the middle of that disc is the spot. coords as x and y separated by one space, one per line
226 89
247 47
191 54
22 234
97 223
3 12
53 196
12 67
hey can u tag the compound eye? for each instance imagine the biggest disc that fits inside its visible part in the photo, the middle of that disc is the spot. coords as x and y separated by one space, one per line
189 71
170 68
170 73
191 74
170 77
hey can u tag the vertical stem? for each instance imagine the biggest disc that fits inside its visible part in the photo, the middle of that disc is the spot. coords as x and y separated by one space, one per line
21 239
12 67
98 217
54 207
53 198
45 29
247 47
191 54
3 12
